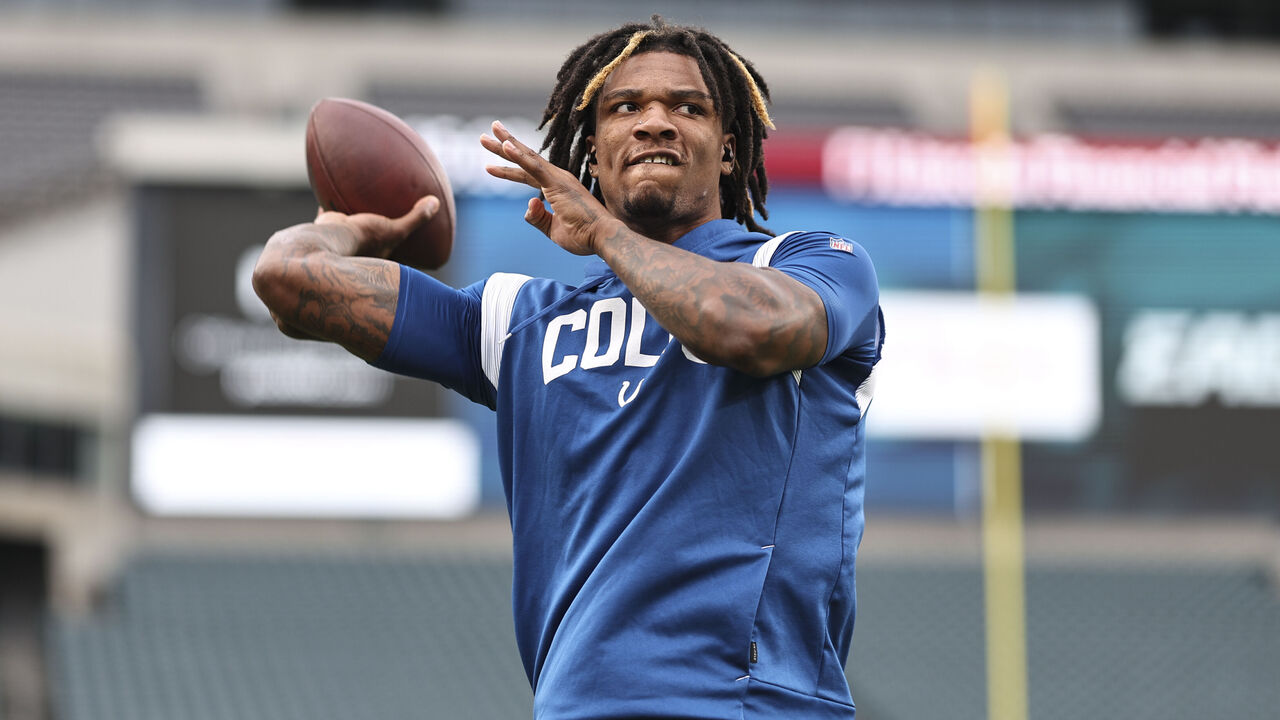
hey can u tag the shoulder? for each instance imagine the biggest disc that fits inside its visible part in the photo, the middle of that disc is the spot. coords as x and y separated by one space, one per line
500 286
813 247
839 270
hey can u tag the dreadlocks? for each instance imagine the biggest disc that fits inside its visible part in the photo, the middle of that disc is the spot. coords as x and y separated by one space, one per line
739 92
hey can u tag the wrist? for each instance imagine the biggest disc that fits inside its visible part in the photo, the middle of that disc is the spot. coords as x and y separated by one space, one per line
339 238
605 235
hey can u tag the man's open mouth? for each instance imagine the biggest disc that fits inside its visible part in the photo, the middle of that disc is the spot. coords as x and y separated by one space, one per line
656 160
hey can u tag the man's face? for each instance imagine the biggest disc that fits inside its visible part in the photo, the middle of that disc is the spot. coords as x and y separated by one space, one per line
658 143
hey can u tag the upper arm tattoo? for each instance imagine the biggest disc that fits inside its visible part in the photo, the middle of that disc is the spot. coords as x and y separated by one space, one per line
350 301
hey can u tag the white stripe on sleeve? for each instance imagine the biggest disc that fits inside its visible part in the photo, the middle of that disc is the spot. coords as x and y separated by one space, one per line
764 256
496 302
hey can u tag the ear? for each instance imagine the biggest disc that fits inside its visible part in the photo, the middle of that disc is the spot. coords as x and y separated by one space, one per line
729 157
592 163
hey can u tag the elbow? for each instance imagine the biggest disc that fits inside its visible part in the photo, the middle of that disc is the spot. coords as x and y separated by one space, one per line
779 329
759 364
269 280
269 284
760 368
761 349
746 350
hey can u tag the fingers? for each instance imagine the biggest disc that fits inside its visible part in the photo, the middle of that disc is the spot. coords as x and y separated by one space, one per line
505 172
498 145
324 215
492 145
330 216
514 174
506 146
504 135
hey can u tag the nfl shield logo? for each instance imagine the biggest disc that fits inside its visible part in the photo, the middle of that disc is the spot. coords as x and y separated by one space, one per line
841 245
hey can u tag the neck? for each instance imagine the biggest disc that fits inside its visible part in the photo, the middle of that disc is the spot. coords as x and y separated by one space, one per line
663 232
665 218
665 229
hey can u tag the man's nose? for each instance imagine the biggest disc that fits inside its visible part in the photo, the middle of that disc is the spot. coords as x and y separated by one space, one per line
654 122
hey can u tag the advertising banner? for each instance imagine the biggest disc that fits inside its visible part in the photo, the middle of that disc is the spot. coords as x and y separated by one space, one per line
234 418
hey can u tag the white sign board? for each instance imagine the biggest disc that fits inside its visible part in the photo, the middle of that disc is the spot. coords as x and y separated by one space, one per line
226 465
959 365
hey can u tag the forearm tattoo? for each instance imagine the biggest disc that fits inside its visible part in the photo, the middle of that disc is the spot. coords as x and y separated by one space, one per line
729 313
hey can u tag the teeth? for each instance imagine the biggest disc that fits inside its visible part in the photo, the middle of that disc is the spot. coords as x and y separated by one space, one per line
659 160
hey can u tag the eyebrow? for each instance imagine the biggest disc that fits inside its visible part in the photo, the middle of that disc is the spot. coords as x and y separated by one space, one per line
679 94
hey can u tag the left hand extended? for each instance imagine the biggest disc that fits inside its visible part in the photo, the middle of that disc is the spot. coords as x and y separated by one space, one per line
576 218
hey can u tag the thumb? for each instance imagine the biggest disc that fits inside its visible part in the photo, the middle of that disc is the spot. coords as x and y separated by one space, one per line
538 216
421 213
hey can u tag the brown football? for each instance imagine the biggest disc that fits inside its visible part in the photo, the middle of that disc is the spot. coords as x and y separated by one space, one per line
361 158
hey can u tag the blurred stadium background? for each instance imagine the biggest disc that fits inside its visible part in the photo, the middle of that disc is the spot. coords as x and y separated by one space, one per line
157 563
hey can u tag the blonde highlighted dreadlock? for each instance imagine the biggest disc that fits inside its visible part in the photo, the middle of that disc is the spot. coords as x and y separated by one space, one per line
739 92
757 100
598 81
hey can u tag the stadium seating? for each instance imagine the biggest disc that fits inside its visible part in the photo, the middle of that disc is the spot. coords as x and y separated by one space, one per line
307 638
1155 642
48 124
315 637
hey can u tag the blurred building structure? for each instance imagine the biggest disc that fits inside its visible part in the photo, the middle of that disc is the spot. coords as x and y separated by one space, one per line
111 106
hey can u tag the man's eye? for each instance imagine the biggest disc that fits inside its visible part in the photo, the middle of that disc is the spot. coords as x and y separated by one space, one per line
690 108
626 107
